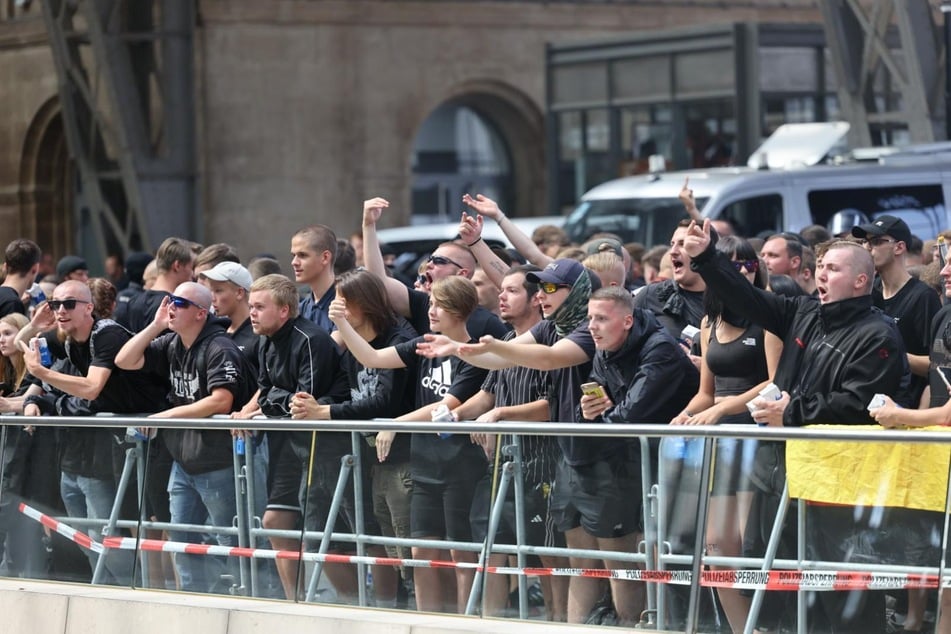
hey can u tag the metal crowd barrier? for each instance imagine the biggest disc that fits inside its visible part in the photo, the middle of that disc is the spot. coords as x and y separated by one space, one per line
651 554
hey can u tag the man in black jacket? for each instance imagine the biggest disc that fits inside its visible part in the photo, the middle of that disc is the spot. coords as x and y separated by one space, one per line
208 375
644 378
298 356
837 354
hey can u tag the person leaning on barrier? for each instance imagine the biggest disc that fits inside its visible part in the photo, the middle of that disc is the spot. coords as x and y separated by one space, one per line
298 356
561 345
208 376
86 383
645 378
375 393
445 467
837 354
739 360
518 394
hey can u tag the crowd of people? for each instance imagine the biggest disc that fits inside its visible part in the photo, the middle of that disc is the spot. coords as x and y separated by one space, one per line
689 333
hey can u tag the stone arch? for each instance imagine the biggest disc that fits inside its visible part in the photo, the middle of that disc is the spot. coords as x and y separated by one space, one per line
47 177
520 123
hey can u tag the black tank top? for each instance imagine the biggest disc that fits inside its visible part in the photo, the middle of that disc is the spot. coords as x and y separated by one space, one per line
738 365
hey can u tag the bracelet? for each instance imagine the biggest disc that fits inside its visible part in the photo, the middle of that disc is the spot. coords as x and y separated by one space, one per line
472 244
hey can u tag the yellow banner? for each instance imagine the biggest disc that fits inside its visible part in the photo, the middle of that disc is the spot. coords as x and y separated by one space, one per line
908 475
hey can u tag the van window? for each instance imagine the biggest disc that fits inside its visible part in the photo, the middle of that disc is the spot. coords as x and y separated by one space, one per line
921 206
751 217
649 221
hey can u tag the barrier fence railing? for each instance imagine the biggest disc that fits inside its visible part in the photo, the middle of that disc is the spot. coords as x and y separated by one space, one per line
654 563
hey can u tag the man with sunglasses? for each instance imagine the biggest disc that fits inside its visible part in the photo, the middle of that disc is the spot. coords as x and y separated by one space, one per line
83 381
449 258
208 375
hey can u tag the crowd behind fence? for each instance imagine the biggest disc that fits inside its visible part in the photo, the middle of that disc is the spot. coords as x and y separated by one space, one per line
676 578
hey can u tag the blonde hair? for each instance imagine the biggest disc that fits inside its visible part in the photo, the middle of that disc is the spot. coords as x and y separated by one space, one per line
282 290
16 364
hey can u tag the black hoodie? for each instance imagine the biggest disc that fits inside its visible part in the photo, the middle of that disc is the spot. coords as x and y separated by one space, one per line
649 379
212 361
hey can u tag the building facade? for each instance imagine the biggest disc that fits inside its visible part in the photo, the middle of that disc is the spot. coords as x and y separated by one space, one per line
305 108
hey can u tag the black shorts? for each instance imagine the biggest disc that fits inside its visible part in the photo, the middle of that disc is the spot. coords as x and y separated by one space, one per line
441 510
604 498
539 525
732 465
324 476
283 474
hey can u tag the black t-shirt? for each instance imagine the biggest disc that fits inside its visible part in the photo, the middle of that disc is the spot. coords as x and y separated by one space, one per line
141 309
248 343
480 322
912 307
433 458
673 306
125 392
10 302
379 393
940 357
566 382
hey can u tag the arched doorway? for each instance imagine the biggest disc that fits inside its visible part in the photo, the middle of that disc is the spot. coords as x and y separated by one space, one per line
47 180
487 138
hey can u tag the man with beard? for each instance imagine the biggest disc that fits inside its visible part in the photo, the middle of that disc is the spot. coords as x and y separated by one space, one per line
85 382
678 302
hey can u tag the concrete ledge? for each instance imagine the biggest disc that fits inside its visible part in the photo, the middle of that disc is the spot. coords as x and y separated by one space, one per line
57 608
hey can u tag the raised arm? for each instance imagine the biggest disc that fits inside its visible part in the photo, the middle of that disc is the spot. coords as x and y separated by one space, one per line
132 354
358 346
86 387
42 321
373 257
522 243
470 232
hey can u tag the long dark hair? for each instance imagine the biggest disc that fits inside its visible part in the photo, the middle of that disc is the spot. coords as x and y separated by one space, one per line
713 306
366 290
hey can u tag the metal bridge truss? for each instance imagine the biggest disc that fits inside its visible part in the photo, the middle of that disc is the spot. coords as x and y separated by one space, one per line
873 67
126 84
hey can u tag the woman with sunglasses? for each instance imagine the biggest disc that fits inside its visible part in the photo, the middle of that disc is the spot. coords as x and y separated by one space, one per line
444 468
738 359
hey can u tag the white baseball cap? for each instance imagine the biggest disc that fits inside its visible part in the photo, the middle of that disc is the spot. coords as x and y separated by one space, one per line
230 272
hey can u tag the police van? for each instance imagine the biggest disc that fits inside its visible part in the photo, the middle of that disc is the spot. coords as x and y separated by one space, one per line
790 182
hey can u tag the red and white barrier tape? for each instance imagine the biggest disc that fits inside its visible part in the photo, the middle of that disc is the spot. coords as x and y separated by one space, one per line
66 531
788 580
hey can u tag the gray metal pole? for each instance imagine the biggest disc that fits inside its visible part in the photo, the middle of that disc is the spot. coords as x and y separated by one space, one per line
346 465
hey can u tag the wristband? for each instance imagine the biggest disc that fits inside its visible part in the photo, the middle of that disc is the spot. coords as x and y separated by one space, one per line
472 244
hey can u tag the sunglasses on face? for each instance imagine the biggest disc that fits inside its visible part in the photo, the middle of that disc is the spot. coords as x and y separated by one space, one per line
68 304
183 302
440 260
877 242
752 266
550 287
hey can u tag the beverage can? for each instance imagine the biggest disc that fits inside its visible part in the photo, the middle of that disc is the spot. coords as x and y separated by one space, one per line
46 358
37 296
239 445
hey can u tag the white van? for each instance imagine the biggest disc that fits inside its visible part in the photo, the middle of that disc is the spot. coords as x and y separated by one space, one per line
914 184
